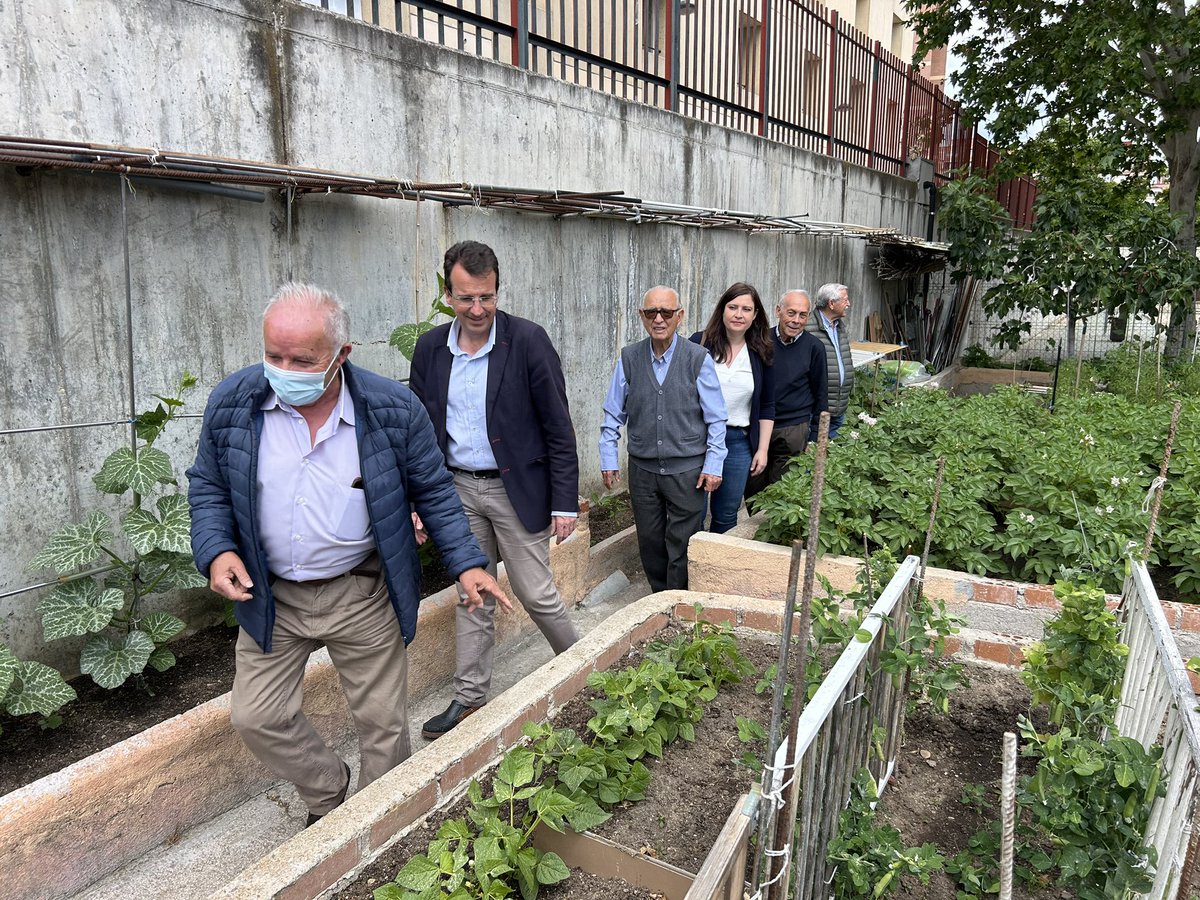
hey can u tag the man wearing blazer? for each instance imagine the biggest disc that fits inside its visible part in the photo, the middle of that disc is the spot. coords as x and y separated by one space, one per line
493 386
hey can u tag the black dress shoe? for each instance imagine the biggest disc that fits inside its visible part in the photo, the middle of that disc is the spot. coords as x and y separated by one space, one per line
314 818
439 725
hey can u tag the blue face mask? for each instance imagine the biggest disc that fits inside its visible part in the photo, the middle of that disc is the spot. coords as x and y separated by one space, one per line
297 388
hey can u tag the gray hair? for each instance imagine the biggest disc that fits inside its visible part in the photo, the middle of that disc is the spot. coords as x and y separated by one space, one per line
788 293
309 296
827 293
661 287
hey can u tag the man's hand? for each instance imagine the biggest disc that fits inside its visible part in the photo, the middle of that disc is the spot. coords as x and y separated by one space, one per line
758 464
564 527
610 477
708 483
419 529
477 584
228 577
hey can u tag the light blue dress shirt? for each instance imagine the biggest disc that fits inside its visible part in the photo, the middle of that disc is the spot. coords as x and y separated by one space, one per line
712 403
313 521
467 445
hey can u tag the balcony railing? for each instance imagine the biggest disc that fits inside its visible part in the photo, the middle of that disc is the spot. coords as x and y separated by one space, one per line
788 70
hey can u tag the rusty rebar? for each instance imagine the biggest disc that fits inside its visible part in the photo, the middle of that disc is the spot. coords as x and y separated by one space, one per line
1161 481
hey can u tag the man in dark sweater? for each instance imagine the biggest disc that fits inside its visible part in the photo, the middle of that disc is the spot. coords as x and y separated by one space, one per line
800 387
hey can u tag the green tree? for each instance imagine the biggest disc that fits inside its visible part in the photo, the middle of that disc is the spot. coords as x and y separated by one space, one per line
1125 73
1096 244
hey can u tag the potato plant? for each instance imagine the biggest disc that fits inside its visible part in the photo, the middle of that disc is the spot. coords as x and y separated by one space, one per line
1027 492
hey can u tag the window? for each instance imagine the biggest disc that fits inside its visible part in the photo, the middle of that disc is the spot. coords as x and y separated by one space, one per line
749 43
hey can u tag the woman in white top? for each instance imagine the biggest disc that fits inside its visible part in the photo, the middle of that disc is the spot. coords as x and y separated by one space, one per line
739 340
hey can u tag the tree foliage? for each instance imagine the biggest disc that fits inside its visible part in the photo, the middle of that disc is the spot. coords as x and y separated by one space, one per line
1096 245
1123 75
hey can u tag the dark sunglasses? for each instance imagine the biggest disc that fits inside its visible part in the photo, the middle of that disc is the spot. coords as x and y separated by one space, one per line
665 314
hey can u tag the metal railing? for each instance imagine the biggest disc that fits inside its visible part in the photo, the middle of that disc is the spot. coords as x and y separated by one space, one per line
1158 706
788 70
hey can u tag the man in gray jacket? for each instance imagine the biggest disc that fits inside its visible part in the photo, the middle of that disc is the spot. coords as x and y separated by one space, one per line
829 325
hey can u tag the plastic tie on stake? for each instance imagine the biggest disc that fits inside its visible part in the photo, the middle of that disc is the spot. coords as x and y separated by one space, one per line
772 792
1157 484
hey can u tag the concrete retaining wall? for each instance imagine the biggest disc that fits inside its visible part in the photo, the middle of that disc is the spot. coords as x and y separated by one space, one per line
284 82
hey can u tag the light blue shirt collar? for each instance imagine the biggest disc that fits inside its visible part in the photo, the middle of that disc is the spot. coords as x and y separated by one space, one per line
452 342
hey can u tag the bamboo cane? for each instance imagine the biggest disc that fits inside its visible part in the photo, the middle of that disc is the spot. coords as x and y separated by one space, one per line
1160 483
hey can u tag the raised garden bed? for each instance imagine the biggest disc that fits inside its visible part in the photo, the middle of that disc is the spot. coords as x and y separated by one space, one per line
691 790
370 821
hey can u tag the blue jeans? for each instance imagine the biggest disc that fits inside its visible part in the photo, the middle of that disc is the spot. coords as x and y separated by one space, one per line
726 499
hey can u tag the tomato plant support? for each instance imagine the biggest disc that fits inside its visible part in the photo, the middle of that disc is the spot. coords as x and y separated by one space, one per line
1161 481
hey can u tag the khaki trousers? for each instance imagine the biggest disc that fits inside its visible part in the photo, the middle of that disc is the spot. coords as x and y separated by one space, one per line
526 556
353 616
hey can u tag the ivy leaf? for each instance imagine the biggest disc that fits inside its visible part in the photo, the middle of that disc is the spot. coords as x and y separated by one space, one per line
404 337
178 571
37 688
170 532
8 669
161 659
74 546
140 470
161 626
111 660
78 607
551 869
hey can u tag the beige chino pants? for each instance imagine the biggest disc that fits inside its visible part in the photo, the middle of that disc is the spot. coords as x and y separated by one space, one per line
526 556
353 617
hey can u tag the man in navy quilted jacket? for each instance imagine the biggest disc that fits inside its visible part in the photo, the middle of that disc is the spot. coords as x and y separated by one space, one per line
300 498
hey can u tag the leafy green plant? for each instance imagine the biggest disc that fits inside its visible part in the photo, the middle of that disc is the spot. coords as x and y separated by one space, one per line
1033 492
1076 669
871 859
150 555
1084 812
28 687
561 780
404 336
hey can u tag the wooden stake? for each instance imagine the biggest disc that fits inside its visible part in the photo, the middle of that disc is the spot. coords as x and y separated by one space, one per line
1008 811
1161 482
785 827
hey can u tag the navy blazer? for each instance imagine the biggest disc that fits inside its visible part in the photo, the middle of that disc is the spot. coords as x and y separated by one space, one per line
762 401
528 419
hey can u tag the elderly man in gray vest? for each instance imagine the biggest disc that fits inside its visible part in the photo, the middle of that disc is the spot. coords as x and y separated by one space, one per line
666 389
829 325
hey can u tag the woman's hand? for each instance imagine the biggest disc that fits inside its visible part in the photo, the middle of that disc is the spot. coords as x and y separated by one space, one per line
758 463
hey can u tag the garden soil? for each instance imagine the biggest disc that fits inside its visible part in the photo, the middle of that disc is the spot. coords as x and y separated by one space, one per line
693 788
941 755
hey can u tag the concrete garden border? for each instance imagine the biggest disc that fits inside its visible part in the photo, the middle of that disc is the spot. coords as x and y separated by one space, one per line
119 803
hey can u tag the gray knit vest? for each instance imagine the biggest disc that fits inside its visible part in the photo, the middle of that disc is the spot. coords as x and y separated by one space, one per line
665 431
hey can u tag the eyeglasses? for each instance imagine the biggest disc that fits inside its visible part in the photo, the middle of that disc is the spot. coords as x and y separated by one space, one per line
487 301
665 314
